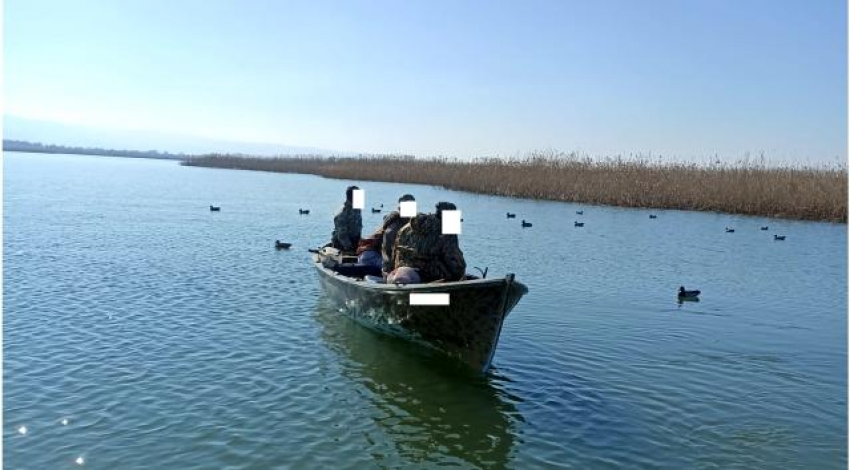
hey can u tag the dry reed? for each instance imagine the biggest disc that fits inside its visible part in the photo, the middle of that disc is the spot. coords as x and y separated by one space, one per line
742 188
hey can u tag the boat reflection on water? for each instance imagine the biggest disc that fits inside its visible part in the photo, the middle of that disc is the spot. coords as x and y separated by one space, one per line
432 408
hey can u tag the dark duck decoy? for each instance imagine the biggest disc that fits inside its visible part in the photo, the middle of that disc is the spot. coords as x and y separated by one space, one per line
763 228
511 216
215 209
525 224
281 245
376 211
303 211
730 230
688 294
653 216
580 212
779 237
579 224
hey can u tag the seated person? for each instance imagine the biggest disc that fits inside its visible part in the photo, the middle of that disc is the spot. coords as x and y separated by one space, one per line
393 222
347 224
422 246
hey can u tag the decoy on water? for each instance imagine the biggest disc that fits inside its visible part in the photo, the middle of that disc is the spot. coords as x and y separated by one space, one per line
215 209
730 230
579 224
779 237
653 216
763 228
525 224
580 212
376 211
281 245
511 216
303 211
688 294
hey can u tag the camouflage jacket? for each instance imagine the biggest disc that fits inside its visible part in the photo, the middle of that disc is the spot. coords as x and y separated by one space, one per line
421 245
347 226
393 222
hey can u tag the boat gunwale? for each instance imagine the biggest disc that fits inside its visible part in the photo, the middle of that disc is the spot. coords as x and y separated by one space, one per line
438 287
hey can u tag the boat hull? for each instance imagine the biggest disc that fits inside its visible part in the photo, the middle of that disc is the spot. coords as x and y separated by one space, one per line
467 329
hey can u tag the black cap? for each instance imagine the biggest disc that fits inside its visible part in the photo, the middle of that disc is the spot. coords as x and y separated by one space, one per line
406 197
445 206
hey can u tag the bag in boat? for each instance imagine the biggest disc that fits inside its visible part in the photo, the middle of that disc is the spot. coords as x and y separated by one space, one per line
329 257
403 275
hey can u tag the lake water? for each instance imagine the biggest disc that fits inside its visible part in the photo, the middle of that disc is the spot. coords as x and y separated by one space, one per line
172 337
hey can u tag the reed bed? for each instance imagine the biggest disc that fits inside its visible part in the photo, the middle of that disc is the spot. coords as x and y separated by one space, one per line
742 188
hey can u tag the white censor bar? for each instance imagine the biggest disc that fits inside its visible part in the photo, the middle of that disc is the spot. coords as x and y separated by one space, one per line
358 199
429 298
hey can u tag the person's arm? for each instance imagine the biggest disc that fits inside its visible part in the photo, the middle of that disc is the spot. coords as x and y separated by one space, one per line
454 262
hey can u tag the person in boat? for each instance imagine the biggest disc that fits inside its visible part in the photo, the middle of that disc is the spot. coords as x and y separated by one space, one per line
368 258
347 224
393 222
422 246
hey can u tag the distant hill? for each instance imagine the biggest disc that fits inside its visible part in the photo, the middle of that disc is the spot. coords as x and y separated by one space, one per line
37 147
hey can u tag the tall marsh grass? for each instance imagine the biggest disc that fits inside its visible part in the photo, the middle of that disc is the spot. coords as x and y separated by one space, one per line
741 188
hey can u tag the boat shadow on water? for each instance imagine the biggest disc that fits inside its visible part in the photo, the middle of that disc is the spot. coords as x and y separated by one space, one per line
432 408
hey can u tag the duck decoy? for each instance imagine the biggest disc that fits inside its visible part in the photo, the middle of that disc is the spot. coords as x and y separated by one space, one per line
763 228
653 216
730 230
581 212
525 224
215 209
376 211
382 206
303 211
579 224
688 294
281 245
511 216
779 237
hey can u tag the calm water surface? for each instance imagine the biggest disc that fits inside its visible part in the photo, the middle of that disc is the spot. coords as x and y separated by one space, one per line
171 337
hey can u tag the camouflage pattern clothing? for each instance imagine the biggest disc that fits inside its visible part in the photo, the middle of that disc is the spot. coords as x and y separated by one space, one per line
421 245
393 222
347 226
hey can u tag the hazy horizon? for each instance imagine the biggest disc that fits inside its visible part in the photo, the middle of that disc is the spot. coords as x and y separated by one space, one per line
688 81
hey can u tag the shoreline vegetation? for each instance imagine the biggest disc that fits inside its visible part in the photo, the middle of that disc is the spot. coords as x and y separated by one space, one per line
747 188
37 147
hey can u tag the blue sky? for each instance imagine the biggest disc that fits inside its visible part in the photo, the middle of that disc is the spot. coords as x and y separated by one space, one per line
686 79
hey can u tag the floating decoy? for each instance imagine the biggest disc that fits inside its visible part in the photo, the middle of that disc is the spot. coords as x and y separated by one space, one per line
281 245
376 211
779 237
763 228
215 209
511 216
525 224
579 224
730 230
580 212
688 294
653 216
303 211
